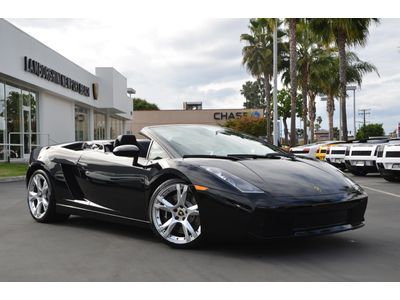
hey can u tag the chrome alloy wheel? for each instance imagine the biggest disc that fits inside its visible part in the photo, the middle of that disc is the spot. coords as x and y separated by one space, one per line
175 214
38 195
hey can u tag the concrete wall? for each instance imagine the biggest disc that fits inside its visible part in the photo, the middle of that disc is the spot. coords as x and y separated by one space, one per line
57 118
206 116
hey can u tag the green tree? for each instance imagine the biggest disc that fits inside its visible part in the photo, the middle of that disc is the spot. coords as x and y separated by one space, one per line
318 123
335 133
370 130
142 104
343 32
254 93
249 125
284 109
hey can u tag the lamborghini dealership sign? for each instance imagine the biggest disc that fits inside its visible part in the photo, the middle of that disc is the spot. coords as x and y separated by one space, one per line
34 67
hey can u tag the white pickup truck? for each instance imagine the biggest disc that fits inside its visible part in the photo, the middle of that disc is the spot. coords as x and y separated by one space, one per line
360 158
336 154
388 160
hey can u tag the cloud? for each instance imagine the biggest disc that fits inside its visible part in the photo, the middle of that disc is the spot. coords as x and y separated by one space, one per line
171 60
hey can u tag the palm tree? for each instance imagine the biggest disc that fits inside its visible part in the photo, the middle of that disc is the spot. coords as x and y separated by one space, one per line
343 32
258 56
329 79
308 54
293 78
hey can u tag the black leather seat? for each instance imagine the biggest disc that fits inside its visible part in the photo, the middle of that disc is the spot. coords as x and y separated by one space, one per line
126 139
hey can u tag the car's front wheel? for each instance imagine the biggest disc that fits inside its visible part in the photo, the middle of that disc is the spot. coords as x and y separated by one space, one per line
175 215
41 200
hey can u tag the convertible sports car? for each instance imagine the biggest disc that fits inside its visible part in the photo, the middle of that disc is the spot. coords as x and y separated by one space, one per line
193 182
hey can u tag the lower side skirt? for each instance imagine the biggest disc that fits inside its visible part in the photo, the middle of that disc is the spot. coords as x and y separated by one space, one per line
86 212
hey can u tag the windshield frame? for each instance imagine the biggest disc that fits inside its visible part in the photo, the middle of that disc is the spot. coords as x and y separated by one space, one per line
152 134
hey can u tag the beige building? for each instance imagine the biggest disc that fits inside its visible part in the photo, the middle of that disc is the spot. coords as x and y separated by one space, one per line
143 118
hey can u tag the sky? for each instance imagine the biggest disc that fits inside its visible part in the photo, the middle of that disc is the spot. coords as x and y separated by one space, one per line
172 60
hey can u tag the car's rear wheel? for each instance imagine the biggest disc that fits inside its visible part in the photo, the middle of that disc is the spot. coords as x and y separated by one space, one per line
175 215
41 201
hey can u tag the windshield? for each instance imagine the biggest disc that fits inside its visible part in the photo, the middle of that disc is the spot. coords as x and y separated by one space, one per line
211 140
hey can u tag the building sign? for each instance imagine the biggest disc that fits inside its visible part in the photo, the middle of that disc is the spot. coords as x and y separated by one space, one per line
235 115
42 71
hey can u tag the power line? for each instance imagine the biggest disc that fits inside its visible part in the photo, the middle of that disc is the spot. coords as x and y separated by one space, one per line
364 112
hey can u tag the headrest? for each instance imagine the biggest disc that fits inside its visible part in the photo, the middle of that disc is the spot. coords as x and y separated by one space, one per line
125 139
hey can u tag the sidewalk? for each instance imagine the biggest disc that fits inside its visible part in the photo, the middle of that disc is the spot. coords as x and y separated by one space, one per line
12 178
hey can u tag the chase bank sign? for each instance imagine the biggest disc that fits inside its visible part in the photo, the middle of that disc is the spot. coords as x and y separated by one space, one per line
235 115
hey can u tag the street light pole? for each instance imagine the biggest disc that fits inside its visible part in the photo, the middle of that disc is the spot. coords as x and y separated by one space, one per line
353 88
131 92
275 71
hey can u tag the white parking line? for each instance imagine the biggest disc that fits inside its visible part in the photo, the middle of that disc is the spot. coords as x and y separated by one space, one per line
379 191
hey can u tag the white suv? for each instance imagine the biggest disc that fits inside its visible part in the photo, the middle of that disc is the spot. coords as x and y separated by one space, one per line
360 159
336 154
309 150
388 161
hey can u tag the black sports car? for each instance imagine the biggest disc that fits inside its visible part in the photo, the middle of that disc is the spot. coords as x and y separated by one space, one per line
192 182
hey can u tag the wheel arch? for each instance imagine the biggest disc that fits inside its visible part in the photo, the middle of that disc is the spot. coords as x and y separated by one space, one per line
34 167
163 176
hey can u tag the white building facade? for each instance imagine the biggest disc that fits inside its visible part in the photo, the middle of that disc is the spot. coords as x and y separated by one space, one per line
47 99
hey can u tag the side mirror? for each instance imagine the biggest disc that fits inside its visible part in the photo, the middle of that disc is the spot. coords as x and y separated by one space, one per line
127 151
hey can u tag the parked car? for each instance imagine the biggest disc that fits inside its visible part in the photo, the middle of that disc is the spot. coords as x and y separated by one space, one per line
336 155
322 150
360 158
308 150
190 183
388 160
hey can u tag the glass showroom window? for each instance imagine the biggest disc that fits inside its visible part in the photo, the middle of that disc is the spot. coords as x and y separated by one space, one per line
99 126
81 123
18 119
13 113
2 122
116 127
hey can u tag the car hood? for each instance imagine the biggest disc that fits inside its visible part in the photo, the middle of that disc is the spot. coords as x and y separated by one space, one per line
287 177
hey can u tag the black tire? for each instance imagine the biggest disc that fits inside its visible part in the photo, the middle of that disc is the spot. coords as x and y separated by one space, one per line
359 173
49 215
171 213
391 178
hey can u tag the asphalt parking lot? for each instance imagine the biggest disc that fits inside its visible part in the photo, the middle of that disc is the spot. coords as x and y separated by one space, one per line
88 250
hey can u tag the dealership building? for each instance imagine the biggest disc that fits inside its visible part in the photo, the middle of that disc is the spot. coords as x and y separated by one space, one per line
47 99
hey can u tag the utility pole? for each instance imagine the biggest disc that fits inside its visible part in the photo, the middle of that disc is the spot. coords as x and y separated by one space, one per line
364 112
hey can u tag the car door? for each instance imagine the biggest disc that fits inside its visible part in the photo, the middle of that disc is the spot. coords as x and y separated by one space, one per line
111 184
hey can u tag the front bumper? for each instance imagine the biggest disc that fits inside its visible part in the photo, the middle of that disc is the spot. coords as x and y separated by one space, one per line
226 217
309 220
368 166
337 162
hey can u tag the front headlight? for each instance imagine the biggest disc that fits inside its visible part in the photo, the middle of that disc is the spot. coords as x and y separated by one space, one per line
237 182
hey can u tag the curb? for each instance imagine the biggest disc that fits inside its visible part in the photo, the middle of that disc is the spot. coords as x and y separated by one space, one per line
12 179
